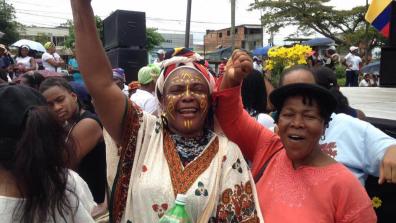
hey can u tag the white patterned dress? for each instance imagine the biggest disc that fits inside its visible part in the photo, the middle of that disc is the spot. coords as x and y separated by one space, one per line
218 183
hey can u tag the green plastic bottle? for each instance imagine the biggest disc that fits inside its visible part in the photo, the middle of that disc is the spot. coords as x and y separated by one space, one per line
177 214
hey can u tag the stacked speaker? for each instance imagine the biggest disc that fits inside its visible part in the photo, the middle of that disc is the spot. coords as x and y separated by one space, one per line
387 67
125 41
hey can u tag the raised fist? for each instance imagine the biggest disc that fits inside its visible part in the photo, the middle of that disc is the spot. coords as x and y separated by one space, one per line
238 66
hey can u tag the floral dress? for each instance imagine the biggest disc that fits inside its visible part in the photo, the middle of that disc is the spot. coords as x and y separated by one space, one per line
153 169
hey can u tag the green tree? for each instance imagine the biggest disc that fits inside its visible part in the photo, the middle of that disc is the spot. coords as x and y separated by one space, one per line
7 24
153 38
311 15
42 38
360 34
69 42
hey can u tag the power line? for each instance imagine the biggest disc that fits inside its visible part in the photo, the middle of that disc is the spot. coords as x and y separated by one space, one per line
174 30
33 4
41 24
48 12
179 20
43 16
148 18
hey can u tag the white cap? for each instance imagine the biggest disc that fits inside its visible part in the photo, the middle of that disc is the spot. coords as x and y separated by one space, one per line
332 48
353 48
161 51
181 199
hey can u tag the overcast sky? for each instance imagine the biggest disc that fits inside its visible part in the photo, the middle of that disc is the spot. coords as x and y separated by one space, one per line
166 15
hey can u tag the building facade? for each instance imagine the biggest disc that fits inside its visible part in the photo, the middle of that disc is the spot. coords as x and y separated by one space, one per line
247 37
174 40
57 35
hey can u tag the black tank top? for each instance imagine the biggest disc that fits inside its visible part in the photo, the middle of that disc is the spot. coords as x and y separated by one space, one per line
92 167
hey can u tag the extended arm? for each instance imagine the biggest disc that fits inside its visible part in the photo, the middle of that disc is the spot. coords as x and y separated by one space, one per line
380 150
256 142
388 166
110 102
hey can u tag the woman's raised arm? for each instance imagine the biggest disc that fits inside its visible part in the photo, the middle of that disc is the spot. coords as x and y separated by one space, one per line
110 102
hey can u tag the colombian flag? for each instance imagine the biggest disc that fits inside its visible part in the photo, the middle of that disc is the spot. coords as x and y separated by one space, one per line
379 14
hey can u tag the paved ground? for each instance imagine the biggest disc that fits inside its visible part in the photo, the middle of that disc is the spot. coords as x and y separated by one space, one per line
374 102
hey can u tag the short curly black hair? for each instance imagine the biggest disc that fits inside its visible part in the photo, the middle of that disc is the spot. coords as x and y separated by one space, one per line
309 99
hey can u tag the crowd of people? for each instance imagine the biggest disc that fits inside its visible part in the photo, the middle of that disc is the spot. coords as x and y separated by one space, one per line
94 148
352 63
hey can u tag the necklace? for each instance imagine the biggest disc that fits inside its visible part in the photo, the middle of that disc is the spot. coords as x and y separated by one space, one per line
72 125
189 148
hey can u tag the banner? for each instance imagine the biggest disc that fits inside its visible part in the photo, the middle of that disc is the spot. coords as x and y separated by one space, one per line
378 15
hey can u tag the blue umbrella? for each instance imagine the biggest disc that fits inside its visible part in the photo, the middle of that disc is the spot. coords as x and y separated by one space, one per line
372 68
261 51
319 42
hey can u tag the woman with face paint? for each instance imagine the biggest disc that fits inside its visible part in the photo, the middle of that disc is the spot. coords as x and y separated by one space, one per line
178 153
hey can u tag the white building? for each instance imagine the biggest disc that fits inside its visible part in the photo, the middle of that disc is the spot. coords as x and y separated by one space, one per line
173 40
57 35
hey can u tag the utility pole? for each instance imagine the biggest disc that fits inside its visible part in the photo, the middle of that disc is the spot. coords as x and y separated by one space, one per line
188 21
233 24
262 27
366 37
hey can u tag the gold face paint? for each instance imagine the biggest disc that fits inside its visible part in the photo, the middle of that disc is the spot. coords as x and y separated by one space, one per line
170 107
188 124
185 83
188 90
203 104
186 77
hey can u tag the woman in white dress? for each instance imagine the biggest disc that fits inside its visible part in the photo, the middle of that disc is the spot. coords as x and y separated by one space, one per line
24 62
178 153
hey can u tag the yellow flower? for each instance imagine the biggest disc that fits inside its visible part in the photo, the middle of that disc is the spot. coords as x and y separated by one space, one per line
377 202
281 58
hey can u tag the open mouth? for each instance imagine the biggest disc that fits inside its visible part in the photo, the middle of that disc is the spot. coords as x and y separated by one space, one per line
296 137
188 112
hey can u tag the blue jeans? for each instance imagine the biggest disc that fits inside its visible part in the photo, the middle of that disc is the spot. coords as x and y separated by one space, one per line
351 78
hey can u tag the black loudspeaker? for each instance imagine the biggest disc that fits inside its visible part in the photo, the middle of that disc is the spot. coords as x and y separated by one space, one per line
125 29
387 67
131 60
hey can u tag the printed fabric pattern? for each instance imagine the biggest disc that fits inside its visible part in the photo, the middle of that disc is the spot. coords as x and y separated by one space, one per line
132 120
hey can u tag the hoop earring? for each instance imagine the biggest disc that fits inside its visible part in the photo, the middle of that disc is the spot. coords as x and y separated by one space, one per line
323 137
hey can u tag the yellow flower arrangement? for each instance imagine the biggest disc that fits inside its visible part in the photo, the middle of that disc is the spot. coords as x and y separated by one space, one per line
377 202
281 58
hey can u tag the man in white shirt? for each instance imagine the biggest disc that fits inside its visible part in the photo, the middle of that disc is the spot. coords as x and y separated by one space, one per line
160 57
352 61
144 96
51 60
257 64
365 82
